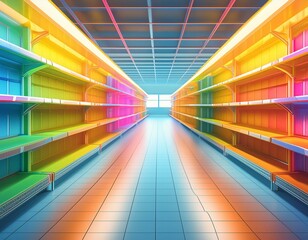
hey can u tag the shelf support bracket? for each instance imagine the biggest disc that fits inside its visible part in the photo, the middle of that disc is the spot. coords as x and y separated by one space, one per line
232 90
230 87
86 109
88 87
231 68
91 68
288 107
39 37
283 37
231 108
33 68
286 69
29 107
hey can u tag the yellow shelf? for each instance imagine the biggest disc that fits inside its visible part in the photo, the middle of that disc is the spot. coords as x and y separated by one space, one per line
208 137
265 70
65 162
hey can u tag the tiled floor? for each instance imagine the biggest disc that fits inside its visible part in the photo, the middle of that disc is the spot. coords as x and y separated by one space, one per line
159 181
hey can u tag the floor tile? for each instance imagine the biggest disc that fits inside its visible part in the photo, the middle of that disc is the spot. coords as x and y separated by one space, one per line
237 236
112 216
199 226
257 216
139 236
277 235
107 227
40 227
103 236
169 226
25 236
10 227
140 226
66 236
71 227
79 216
48 216
168 216
225 216
200 236
169 235
297 226
268 227
231 227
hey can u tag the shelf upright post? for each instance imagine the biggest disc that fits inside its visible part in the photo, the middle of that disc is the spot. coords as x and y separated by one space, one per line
200 112
26 91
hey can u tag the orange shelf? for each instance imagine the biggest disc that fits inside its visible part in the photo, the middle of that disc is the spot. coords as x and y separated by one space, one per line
293 143
295 183
260 163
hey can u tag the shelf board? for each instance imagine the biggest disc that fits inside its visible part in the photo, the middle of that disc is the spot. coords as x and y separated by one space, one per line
107 139
256 133
112 136
54 135
78 128
12 53
207 137
190 126
298 179
293 143
104 121
16 145
213 140
23 143
18 188
296 183
212 121
17 183
16 54
54 69
262 164
290 100
33 99
67 131
186 115
294 58
65 162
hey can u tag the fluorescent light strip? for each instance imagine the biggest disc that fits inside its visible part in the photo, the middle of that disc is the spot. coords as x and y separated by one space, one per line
151 36
258 19
48 9
116 26
188 10
222 17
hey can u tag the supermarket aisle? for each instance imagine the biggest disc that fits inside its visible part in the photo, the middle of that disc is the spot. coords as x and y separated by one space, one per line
159 181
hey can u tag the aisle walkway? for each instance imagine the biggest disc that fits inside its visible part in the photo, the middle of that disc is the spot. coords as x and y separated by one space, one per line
159 181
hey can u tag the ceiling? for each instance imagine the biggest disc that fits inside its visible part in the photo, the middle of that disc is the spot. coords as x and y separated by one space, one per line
159 44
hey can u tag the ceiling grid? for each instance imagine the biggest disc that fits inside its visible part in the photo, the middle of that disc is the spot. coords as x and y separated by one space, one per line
159 44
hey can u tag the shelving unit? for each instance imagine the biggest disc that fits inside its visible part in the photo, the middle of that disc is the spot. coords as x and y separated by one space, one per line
60 103
252 102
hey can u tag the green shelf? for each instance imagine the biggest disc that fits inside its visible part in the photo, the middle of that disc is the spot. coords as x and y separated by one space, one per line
17 183
15 145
